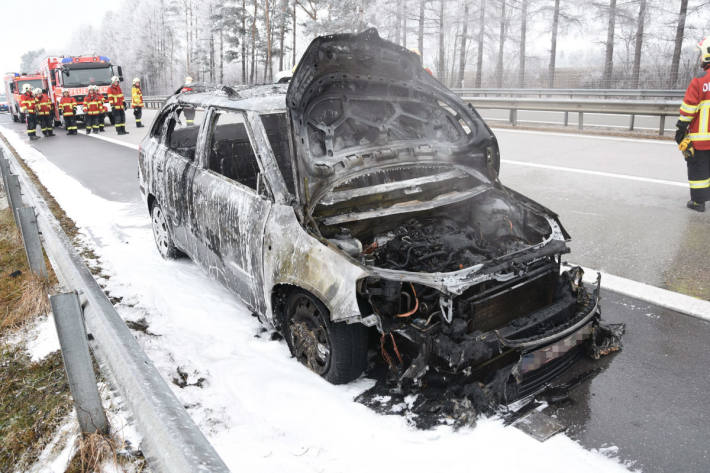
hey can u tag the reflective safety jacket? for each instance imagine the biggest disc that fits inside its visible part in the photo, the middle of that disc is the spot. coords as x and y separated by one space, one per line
92 102
136 97
67 106
696 110
115 97
44 105
28 103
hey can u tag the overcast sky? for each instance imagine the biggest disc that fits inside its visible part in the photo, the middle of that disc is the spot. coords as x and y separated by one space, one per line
47 24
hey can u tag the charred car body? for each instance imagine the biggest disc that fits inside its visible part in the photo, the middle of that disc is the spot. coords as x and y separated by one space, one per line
365 198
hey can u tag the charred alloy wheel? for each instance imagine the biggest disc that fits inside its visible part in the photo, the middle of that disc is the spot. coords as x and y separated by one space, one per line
335 351
161 233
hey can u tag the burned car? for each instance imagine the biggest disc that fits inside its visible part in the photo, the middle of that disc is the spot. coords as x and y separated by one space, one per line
360 207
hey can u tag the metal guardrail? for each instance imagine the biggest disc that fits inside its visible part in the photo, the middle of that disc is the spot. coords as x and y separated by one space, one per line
512 100
572 93
172 443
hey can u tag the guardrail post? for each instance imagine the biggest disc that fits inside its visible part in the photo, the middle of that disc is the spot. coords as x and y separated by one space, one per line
580 122
27 223
566 118
513 117
4 169
631 123
13 195
69 322
662 125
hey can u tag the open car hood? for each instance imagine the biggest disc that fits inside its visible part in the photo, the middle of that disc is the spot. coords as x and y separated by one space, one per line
357 101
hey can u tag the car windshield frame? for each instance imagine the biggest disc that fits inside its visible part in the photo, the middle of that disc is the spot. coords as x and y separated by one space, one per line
82 76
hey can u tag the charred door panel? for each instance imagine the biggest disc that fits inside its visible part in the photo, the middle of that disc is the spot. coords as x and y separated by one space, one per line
229 215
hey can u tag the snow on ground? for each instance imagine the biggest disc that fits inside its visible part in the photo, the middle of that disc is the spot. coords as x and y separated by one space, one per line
44 340
260 409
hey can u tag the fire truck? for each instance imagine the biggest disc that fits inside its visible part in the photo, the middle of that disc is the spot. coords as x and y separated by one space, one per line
76 74
14 81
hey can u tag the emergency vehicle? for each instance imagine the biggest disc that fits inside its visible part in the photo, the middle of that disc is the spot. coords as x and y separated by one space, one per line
14 81
76 74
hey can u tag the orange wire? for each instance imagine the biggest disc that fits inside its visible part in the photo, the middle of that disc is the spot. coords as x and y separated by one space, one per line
416 304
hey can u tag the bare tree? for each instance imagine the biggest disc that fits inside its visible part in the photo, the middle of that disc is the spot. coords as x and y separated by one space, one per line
420 31
462 51
609 55
481 37
441 68
679 36
501 45
523 38
638 44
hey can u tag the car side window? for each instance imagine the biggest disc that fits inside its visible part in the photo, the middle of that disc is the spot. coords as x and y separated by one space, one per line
230 151
157 129
276 126
182 130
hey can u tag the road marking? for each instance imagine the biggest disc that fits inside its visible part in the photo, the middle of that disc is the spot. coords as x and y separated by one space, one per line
655 295
114 141
597 173
594 137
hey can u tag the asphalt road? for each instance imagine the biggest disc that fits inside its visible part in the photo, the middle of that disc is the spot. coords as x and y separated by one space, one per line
650 400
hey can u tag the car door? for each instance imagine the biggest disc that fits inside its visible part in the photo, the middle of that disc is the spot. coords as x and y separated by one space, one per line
182 155
231 205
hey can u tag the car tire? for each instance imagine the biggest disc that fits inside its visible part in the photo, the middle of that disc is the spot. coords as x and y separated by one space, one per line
15 118
162 233
334 350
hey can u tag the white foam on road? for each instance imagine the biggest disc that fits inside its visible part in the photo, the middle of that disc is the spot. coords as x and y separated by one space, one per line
655 295
627 177
114 141
258 406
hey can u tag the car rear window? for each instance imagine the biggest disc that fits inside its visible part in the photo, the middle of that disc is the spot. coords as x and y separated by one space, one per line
183 129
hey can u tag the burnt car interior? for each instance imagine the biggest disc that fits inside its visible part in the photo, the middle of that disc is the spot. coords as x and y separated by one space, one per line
180 137
231 153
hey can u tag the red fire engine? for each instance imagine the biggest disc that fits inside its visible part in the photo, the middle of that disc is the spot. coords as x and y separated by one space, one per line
76 74
14 81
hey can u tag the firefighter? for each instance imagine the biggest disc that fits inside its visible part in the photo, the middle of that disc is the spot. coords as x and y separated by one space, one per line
29 108
693 132
44 112
118 104
91 107
67 107
188 112
101 117
137 102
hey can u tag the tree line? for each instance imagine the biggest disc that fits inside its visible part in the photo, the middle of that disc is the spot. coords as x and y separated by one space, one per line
469 43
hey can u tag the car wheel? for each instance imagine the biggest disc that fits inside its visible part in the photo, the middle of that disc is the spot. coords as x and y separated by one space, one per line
162 234
335 351
15 118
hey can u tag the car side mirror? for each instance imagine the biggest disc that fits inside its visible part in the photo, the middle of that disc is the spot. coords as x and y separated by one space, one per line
120 73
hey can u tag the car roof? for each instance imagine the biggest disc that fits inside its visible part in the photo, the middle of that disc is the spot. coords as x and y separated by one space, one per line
261 98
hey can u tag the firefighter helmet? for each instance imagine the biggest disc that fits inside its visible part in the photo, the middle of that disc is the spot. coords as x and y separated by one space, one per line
188 80
37 91
26 88
114 79
136 81
704 47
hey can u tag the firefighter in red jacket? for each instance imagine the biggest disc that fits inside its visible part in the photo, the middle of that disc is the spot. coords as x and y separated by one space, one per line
91 107
28 106
44 111
67 107
118 105
693 132
137 102
100 118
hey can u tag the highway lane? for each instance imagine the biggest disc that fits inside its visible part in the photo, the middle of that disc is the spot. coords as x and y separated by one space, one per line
650 399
